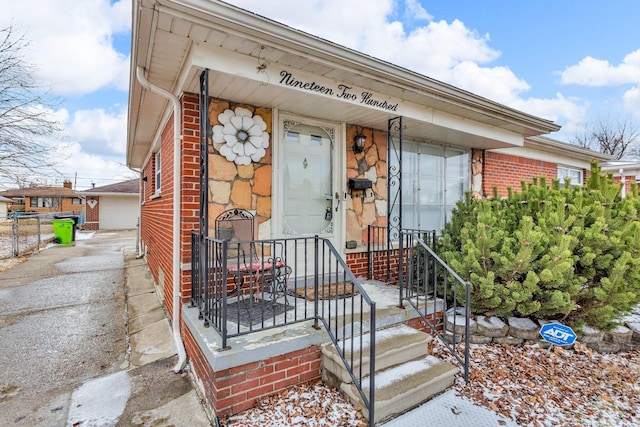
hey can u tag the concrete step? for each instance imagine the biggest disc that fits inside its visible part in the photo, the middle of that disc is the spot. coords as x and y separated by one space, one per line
404 386
394 345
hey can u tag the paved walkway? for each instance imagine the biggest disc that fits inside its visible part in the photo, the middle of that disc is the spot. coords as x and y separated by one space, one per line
449 410
84 341
157 396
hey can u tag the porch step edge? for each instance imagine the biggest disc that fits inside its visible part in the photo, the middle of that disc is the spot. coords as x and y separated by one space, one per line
394 345
405 386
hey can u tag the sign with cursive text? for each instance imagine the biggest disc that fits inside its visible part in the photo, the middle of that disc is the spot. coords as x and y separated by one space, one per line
340 91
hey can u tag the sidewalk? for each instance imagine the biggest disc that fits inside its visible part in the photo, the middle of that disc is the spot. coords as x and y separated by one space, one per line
147 392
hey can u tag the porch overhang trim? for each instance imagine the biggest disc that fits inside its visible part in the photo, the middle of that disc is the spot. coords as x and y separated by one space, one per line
564 148
310 85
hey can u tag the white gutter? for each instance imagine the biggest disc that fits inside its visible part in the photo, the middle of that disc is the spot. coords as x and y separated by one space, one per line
177 114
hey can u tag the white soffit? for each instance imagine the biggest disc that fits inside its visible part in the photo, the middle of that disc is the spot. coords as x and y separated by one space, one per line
240 78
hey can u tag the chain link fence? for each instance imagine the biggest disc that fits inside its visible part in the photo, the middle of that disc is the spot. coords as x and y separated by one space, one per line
21 235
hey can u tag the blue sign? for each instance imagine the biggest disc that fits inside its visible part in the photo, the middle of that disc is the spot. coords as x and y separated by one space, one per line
558 334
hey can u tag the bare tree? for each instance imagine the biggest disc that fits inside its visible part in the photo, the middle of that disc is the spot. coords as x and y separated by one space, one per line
617 138
25 123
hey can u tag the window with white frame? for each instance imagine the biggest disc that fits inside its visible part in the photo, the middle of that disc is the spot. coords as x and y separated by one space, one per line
157 173
573 174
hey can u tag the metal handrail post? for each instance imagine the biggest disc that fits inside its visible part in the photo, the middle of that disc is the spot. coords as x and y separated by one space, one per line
315 282
467 331
401 267
372 367
223 283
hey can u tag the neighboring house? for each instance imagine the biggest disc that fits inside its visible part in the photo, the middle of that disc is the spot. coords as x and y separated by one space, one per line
5 202
40 199
313 139
539 156
627 171
112 207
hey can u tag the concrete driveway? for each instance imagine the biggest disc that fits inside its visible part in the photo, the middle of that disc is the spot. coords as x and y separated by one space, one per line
84 341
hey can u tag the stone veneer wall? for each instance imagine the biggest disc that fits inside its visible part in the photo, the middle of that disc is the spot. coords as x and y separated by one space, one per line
516 330
368 207
241 186
250 186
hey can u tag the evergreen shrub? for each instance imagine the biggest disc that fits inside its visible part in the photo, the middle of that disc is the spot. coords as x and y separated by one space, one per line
550 252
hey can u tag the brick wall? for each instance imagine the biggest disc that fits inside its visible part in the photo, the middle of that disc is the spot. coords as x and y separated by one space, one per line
419 324
236 389
156 217
92 214
190 219
627 183
504 170
157 210
358 264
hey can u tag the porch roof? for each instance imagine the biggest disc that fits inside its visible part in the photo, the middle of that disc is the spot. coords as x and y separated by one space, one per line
174 40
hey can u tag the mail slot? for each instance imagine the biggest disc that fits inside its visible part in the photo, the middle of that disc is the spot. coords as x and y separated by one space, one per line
359 183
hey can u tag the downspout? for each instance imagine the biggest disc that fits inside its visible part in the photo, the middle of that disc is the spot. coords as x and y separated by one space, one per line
177 170
139 252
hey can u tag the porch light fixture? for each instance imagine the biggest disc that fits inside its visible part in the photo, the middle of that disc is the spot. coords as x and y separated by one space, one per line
358 141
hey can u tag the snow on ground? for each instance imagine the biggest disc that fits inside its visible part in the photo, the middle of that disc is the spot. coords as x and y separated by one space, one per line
100 402
528 384
554 386
312 405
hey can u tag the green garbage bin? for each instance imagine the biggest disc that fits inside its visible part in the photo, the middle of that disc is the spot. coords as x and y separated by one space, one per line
63 230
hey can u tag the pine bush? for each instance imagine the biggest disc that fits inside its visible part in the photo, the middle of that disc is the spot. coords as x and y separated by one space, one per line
552 252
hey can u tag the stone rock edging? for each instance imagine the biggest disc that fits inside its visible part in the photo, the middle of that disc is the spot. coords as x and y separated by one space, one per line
516 330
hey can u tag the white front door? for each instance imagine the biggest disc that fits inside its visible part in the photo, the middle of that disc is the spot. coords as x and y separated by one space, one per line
310 186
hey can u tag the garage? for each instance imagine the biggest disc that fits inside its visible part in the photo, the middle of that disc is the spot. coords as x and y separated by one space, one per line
113 207
118 212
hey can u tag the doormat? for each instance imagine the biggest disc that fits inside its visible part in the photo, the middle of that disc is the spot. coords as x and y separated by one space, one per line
326 291
248 311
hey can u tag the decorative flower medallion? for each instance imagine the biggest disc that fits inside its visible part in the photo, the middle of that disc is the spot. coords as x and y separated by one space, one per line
241 137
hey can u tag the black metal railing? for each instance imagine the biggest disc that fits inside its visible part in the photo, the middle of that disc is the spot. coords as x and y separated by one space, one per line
383 254
425 281
248 286
431 287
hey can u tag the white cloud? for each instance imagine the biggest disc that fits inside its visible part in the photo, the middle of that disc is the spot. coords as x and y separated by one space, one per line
601 73
99 131
83 168
416 11
572 111
632 101
597 72
447 51
497 83
71 42
433 50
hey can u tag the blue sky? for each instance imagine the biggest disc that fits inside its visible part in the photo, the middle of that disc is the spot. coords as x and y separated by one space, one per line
566 60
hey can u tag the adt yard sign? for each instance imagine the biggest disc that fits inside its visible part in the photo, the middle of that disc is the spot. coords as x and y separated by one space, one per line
555 333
